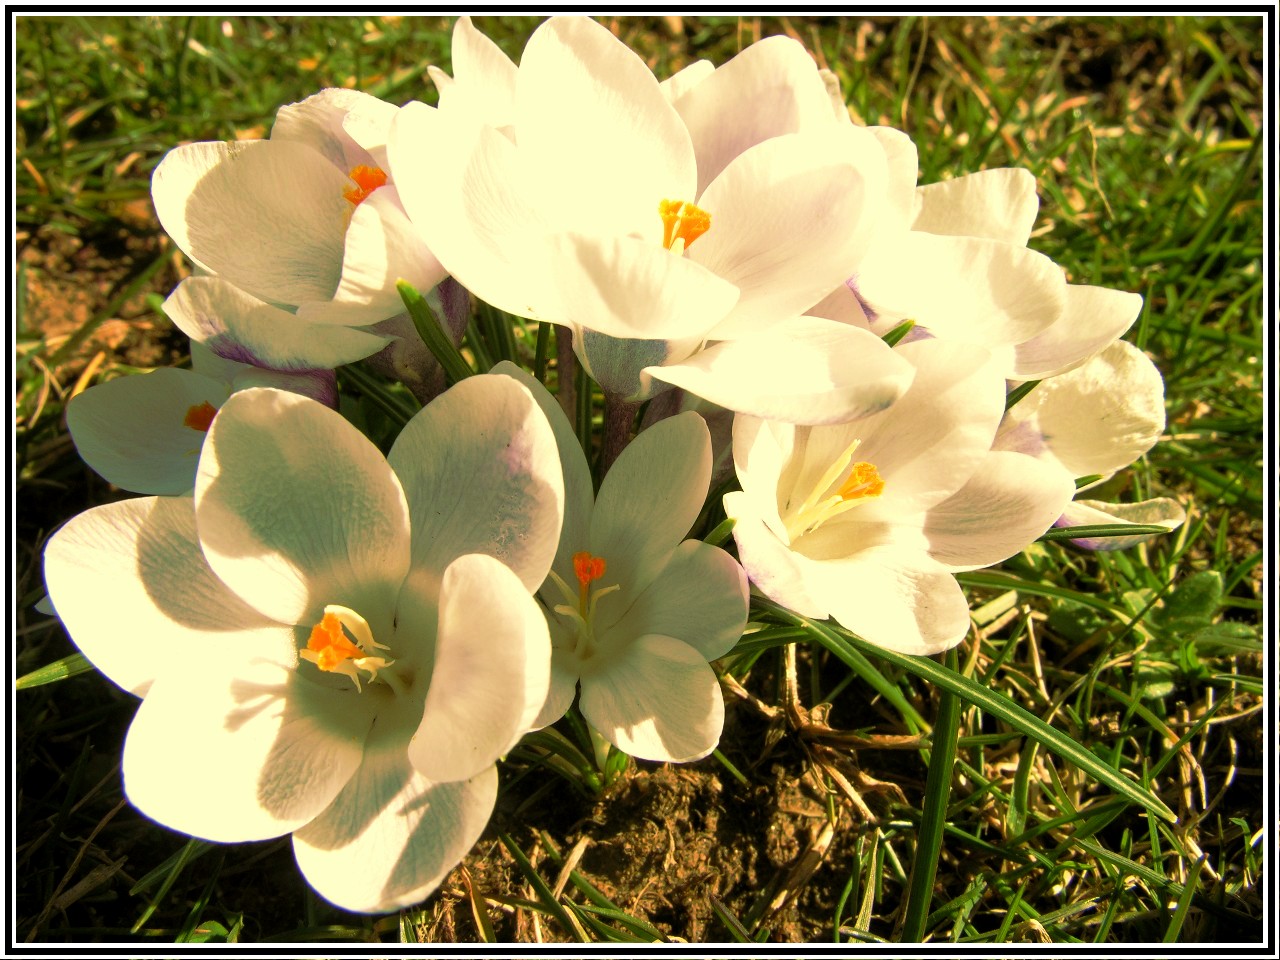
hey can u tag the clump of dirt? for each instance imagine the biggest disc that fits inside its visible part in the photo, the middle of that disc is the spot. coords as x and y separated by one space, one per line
664 843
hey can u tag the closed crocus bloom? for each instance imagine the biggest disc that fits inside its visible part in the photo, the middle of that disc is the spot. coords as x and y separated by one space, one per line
865 522
351 640
573 194
635 610
309 221
1092 422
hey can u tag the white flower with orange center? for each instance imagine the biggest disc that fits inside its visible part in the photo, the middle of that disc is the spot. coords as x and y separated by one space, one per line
306 226
866 521
350 639
569 190
636 612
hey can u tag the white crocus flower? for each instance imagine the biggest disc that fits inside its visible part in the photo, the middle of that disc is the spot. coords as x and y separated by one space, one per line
144 433
346 642
308 221
986 287
865 522
568 190
635 610
1093 421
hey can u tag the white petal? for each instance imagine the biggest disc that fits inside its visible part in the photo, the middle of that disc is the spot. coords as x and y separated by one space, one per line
493 658
620 365
788 218
658 699
686 78
699 598
888 598
647 502
965 288
1009 501
762 450
771 88
626 287
482 475
297 510
381 248
1095 419
579 489
803 370
278 748
563 687
1160 511
463 188
392 836
999 204
483 86
773 567
132 430
596 132
238 326
1093 318
136 596
903 162
319 123
267 215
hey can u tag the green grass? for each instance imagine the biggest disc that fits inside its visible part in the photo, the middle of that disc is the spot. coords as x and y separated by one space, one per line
1104 717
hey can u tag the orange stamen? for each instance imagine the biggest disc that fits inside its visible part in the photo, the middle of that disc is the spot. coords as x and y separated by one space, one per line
330 644
367 180
682 221
200 416
863 481
587 567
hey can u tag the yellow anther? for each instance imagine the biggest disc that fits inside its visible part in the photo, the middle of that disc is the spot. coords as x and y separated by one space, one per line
682 222
863 481
331 648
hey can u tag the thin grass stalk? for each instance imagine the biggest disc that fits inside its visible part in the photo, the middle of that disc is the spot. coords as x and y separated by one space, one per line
937 793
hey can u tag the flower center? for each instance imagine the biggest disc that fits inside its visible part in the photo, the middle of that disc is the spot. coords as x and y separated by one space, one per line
200 416
581 608
343 643
682 223
366 180
859 481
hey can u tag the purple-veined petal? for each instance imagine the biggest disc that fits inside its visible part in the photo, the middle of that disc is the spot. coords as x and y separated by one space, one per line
1009 501
1094 317
482 474
238 326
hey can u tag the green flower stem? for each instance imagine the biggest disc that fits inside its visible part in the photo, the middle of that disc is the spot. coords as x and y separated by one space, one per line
426 321
540 352
937 792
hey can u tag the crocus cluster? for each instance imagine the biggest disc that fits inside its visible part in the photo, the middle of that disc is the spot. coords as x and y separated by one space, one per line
354 640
